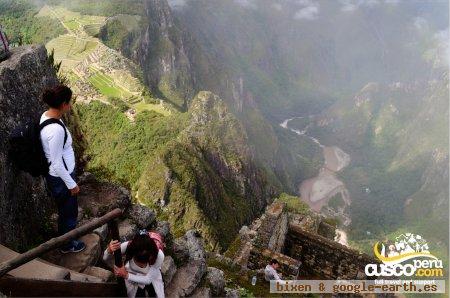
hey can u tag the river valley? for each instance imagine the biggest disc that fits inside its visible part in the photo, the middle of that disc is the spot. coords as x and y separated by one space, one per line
317 191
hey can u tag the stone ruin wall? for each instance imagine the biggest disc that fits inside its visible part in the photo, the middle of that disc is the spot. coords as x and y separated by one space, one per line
303 244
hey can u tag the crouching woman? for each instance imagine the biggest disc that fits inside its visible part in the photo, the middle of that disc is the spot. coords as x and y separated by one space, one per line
142 270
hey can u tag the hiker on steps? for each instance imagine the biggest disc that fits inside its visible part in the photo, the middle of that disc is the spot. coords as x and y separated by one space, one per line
142 270
57 145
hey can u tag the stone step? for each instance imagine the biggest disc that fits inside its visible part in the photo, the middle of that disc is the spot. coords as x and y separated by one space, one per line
41 269
81 260
33 269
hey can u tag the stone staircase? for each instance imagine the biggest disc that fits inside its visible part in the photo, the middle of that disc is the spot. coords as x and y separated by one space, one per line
40 269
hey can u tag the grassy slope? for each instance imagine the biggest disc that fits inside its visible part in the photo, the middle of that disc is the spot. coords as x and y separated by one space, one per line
22 27
208 163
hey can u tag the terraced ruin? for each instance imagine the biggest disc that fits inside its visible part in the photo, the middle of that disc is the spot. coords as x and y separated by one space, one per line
95 71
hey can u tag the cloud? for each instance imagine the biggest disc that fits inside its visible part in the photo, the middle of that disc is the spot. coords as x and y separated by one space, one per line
177 3
420 23
442 48
348 5
352 5
369 3
309 11
246 3
277 6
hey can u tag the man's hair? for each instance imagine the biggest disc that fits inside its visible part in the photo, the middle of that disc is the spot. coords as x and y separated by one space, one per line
273 261
55 96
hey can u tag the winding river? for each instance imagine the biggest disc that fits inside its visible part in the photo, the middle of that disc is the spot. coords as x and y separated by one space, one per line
317 191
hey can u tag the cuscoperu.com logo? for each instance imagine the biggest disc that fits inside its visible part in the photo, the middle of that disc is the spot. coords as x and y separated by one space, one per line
409 255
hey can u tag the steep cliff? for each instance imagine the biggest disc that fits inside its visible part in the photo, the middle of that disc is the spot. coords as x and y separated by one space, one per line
177 62
156 44
196 168
207 177
22 79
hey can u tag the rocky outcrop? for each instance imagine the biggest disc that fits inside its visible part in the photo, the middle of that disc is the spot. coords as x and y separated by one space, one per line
22 79
127 230
168 270
142 216
157 45
189 275
98 198
216 281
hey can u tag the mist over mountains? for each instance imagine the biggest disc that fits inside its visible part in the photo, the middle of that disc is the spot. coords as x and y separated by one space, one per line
368 76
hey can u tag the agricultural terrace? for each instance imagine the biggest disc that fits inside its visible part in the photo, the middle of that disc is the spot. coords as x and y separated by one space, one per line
80 47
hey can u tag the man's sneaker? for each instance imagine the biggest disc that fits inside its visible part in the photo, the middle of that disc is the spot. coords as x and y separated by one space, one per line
76 246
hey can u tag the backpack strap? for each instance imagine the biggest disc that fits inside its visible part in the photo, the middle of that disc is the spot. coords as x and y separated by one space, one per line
56 121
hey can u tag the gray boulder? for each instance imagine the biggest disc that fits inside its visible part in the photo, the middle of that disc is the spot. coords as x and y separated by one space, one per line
186 279
163 228
189 247
127 230
202 293
168 270
102 232
216 280
141 215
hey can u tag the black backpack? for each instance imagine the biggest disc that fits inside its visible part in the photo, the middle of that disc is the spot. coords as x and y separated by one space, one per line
26 150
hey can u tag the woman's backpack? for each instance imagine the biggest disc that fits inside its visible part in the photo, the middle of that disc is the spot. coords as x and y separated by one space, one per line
4 46
159 241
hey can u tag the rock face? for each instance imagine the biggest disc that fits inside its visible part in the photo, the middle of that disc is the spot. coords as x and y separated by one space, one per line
127 230
157 45
188 276
216 281
23 77
186 279
142 216
216 185
98 198
168 269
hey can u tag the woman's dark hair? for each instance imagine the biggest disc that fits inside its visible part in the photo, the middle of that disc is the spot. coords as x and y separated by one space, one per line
54 97
273 261
142 248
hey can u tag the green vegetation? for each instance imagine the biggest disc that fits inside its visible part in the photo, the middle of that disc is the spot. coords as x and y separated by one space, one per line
18 18
118 148
117 28
101 7
336 202
206 162
391 137
234 276
107 86
294 204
